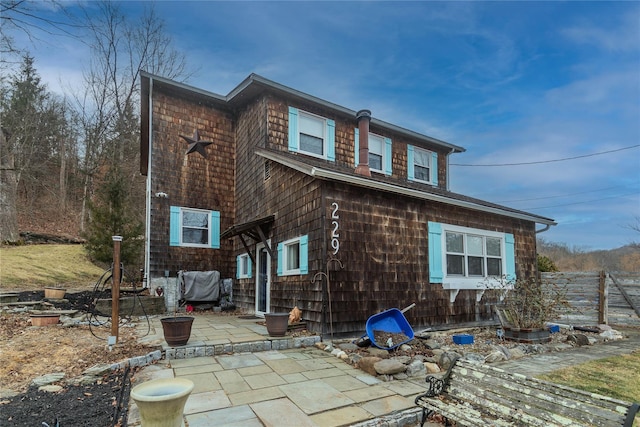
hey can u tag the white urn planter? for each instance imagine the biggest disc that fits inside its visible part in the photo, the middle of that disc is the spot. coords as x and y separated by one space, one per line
161 402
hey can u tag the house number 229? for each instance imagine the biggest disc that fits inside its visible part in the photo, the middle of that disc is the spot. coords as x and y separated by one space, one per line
335 243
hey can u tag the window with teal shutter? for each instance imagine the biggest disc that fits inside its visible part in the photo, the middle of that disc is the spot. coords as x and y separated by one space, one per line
194 227
331 140
293 256
436 274
280 258
293 129
243 266
174 226
304 255
410 164
510 256
388 163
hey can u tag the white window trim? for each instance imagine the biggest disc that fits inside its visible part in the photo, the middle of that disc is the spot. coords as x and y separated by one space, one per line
473 282
285 255
209 228
324 135
429 156
244 260
382 154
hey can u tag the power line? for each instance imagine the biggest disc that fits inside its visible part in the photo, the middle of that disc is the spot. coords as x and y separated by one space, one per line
548 161
586 201
556 197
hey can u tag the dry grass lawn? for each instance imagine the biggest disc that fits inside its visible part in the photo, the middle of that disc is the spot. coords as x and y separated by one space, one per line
617 377
31 267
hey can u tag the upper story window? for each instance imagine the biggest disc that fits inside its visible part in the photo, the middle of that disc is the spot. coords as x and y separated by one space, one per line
194 228
463 258
311 134
422 165
293 256
379 152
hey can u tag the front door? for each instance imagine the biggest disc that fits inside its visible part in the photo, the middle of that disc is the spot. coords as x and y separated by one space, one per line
263 279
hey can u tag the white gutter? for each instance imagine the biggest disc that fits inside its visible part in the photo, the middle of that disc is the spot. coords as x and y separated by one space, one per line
391 188
147 233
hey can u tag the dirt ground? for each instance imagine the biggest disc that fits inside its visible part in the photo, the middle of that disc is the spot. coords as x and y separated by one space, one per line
31 351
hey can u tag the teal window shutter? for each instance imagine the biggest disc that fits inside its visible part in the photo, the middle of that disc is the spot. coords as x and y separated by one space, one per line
510 256
174 226
435 252
304 254
410 164
388 163
434 168
214 217
293 129
238 263
331 140
249 267
357 145
280 258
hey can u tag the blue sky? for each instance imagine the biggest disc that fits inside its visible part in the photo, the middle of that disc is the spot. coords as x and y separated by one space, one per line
512 82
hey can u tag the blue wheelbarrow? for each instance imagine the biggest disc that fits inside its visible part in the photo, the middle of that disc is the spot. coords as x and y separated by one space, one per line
389 322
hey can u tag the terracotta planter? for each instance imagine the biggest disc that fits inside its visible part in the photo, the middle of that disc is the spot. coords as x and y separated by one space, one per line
161 401
44 319
528 335
177 330
54 293
277 323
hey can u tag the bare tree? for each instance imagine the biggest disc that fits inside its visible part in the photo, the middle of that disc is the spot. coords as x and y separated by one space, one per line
635 227
120 48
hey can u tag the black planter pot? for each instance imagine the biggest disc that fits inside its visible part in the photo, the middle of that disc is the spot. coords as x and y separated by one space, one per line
277 323
177 330
528 335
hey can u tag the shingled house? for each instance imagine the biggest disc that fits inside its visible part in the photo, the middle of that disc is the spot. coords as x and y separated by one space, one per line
307 203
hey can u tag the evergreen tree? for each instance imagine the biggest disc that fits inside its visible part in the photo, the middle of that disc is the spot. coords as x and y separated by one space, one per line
110 215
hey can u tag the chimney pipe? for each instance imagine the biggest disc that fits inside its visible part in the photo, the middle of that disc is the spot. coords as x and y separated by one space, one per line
363 117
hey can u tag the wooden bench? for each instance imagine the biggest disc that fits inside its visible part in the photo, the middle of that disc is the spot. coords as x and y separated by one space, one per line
480 395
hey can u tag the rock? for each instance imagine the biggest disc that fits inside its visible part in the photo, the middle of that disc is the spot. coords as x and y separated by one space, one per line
432 368
98 370
405 360
320 345
50 388
611 335
354 358
517 353
603 328
474 358
447 359
432 344
405 347
47 379
504 350
348 346
400 376
579 339
415 369
389 367
378 352
366 364
495 356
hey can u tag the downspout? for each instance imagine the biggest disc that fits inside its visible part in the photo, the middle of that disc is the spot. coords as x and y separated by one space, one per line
147 232
548 226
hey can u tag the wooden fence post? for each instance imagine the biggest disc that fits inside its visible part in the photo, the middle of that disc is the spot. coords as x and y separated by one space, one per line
603 300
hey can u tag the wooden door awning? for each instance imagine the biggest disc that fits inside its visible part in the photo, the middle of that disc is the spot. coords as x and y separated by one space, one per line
257 229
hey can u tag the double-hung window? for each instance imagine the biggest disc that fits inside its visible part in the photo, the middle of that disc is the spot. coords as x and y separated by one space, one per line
422 165
243 266
311 134
379 152
293 256
463 258
472 255
194 228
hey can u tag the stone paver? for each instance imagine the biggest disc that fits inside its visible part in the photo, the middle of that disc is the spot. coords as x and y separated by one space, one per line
237 384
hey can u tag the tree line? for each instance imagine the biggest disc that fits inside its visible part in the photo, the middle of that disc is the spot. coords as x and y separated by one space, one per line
75 156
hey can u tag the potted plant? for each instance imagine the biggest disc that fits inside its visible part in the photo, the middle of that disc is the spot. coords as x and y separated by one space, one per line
277 323
176 329
528 305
